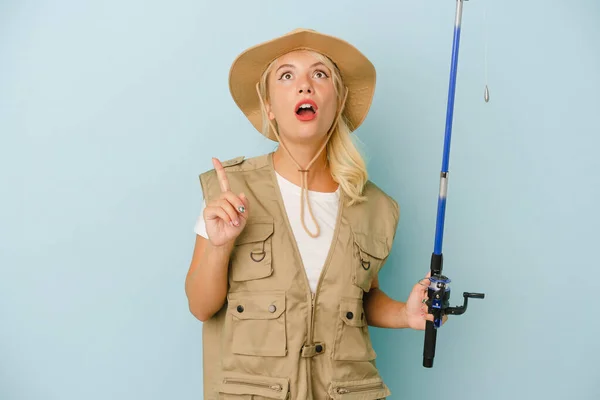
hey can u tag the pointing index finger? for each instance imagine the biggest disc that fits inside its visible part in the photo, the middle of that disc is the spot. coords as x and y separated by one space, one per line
222 175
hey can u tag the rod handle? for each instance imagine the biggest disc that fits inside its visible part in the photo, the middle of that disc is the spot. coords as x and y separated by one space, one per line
429 346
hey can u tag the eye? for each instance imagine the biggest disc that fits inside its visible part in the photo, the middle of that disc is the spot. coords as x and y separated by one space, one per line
286 76
320 74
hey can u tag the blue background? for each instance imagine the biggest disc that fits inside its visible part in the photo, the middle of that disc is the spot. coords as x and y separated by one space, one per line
110 109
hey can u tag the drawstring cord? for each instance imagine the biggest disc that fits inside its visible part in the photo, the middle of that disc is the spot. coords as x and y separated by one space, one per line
304 171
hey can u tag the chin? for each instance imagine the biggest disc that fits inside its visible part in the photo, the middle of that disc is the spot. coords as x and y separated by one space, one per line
309 133
302 132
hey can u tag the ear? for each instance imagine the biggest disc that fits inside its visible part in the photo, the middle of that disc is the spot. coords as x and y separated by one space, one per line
269 112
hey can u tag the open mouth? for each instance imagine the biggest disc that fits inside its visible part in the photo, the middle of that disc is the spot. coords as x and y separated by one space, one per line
306 110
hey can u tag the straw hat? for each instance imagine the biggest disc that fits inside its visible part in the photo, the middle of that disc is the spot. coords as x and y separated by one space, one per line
358 73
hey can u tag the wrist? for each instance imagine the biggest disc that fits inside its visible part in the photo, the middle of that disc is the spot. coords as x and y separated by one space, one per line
225 247
402 315
220 250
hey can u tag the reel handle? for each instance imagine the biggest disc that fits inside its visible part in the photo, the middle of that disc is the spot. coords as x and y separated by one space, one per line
461 309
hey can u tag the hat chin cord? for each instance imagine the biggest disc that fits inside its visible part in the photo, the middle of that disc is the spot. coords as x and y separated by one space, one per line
304 171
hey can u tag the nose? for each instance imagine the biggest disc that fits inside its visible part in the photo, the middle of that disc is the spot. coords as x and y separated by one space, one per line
304 87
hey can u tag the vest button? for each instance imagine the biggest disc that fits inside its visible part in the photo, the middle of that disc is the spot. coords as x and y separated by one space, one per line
318 348
349 315
240 308
272 308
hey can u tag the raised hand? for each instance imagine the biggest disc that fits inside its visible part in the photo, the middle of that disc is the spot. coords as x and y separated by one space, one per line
225 217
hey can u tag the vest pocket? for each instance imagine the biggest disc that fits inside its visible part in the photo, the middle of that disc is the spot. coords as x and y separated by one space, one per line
352 340
258 323
365 389
237 386
370 253
251 255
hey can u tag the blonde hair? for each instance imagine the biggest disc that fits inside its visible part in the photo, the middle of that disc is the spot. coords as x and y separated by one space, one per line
347 165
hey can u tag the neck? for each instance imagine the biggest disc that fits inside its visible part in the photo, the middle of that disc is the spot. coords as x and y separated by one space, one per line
319 174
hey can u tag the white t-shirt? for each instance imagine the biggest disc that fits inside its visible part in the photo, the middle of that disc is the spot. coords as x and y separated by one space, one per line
313 251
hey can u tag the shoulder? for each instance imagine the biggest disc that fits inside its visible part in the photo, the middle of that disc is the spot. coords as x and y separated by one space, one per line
378 199
237 169
376 216
241 163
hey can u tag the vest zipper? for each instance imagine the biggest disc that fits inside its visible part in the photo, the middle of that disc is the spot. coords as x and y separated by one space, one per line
299 258
276 387
312 318
314 295
360 388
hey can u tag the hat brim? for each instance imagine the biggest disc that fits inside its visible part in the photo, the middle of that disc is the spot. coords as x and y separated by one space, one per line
357 72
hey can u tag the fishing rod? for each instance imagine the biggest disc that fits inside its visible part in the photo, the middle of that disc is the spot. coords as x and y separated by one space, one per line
438 292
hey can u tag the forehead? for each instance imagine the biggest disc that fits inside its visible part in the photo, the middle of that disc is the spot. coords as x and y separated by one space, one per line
298 58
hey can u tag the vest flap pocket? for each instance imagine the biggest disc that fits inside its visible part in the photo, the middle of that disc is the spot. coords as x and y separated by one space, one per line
351 312
352 341
372 245
260 305
370 251
257 229
365 389
250 385
251 256
258 323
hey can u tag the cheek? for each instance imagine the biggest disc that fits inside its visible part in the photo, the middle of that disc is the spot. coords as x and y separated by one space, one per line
278 110
330 102
278 104
328 95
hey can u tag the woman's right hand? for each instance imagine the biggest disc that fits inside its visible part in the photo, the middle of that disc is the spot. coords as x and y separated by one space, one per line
225 217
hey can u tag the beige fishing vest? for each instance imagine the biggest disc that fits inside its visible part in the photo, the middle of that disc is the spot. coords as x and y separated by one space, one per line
273 339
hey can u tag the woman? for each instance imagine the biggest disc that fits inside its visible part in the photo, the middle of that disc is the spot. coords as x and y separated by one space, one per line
289 245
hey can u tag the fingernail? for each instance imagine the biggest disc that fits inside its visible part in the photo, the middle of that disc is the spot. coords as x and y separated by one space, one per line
236 222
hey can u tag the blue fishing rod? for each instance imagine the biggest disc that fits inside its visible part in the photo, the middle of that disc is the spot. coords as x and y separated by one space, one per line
439 289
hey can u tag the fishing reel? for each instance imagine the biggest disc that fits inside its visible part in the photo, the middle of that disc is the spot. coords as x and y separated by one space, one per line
438 304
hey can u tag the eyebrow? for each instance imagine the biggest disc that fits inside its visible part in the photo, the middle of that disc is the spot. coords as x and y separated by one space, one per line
293 67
